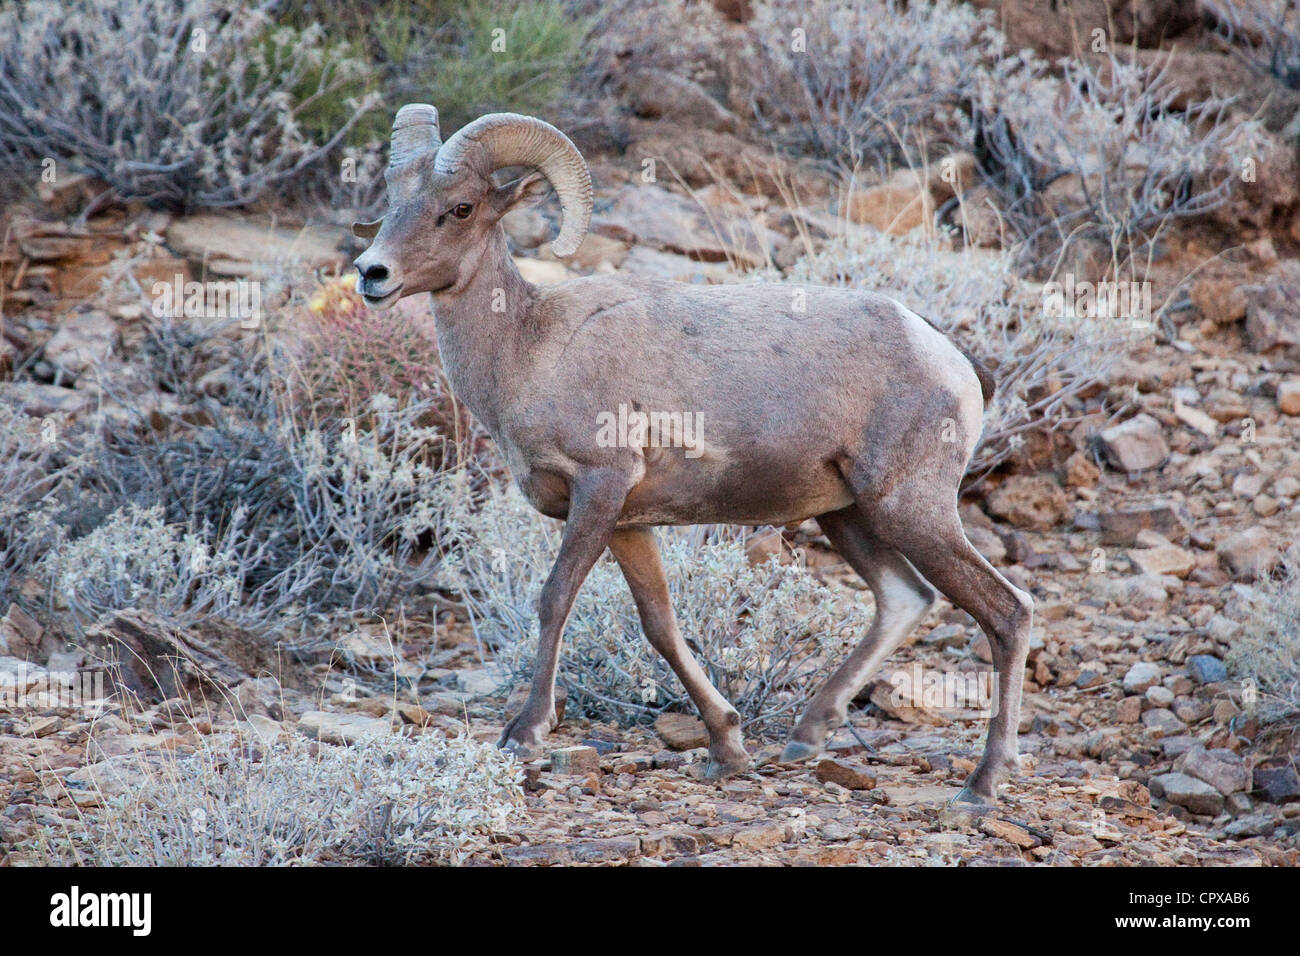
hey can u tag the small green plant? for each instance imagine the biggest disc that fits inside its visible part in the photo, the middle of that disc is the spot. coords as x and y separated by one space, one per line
506 57
466 58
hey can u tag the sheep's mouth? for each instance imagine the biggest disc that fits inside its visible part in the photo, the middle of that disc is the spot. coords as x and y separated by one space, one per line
382 301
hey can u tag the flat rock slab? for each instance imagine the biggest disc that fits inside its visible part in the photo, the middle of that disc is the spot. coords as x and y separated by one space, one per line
342 728
846 773
481 681
246 247
681 731
1122 526
901 795
1186 791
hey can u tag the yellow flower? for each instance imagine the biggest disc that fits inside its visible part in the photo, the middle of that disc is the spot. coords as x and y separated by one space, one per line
338 293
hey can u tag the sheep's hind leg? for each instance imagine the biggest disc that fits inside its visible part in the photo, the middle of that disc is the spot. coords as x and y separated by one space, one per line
902 600
929 532
637 554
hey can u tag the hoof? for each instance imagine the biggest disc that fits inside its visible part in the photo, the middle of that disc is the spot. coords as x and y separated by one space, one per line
796 751
982 785
522 751
720 770
968 796
526 745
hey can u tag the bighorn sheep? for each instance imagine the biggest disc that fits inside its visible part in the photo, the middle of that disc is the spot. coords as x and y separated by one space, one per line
845 407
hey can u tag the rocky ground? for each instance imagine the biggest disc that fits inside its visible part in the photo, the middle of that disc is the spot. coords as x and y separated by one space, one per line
1140 546
1143 538
879 795
1137 748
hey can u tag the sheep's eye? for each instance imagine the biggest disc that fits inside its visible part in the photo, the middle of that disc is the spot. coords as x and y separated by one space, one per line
462 210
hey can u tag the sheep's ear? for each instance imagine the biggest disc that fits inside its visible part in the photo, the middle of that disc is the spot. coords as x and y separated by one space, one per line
366 230
527 190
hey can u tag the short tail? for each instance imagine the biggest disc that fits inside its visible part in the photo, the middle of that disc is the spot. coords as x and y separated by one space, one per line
988 384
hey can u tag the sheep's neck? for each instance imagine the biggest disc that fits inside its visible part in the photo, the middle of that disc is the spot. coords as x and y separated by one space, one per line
480 325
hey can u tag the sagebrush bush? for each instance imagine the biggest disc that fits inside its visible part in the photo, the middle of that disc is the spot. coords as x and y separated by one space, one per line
855 83
1041 361
203 102
134 559
1087 153
1099 155
257 521
38 474
241 496
1267 650
291 802
766 635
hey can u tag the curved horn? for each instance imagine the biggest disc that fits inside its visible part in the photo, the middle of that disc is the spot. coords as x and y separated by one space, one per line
511 139
415 129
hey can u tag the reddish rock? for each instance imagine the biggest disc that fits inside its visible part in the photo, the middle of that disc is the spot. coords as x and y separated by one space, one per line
575 760
846 773
1135 445
1035 502
681 731
1248 554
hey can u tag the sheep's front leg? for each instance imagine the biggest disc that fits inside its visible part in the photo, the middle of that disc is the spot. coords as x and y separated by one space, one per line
638 555
595 500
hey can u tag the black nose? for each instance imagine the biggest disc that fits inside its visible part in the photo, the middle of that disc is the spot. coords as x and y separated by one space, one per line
375 274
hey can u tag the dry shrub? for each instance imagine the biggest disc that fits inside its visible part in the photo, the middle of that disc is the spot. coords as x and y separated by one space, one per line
238 509
38 474
134 559
195 103
1265 32
767 635
291 802
873 78
1267 651
1099 156
687 40
245 502
257 522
